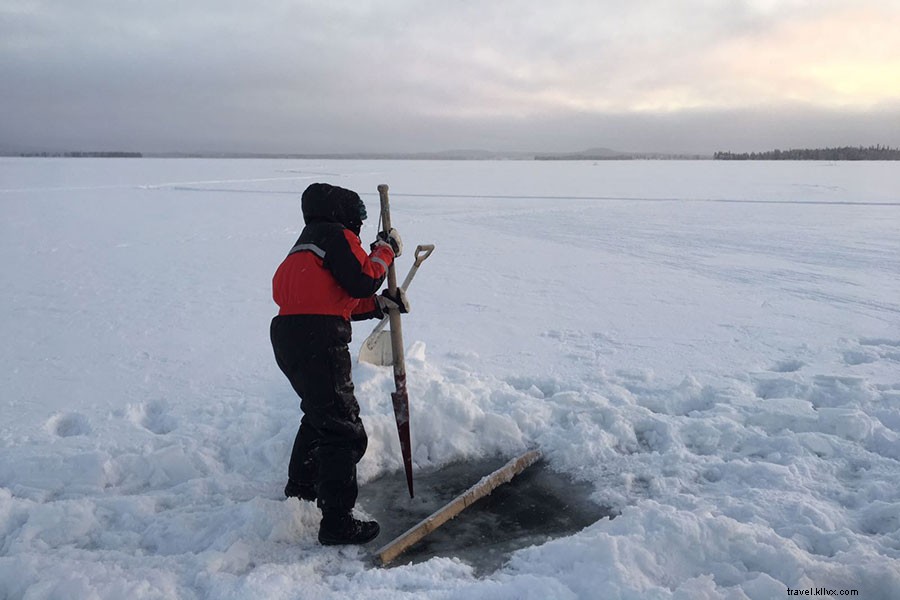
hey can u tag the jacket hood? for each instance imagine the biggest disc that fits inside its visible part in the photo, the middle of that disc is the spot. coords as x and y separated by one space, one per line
332 204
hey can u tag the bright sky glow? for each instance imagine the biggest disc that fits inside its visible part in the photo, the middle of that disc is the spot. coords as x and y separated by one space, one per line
404 75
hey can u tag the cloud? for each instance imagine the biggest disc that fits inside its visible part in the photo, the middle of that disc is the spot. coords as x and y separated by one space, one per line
427 74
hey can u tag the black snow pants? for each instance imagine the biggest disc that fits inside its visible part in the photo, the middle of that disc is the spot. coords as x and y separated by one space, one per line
312 352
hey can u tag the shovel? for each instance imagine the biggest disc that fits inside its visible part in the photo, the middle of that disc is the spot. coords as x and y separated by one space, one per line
376 349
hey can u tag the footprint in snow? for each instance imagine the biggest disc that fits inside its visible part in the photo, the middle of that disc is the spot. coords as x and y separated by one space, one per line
68 425
154 417
790 365
859 357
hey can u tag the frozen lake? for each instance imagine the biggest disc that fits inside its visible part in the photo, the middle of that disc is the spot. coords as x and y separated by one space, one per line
713 346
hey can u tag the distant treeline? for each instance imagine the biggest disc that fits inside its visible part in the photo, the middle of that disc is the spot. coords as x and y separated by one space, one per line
620 156
104 154
842 153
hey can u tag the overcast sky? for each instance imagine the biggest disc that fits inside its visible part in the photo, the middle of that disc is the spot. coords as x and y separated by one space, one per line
426 75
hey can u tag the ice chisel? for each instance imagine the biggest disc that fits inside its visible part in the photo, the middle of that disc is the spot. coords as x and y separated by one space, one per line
399 398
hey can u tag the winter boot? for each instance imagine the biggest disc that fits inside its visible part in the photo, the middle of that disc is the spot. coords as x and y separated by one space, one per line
300 490
344 529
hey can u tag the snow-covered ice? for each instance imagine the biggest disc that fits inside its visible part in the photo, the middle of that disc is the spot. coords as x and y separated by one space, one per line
713 346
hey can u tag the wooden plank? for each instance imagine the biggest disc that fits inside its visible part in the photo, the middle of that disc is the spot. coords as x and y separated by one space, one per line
481 489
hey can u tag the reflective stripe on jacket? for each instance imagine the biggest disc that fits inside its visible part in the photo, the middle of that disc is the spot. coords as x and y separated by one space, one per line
327 272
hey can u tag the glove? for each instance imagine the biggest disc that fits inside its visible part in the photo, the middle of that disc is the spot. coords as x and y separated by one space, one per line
397 301
392 239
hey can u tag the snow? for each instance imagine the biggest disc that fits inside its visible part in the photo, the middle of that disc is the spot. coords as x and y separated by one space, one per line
715 346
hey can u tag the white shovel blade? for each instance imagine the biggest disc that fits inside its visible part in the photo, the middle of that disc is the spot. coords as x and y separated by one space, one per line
376 349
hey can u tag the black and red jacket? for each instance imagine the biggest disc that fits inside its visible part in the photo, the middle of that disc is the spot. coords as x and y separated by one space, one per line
328 272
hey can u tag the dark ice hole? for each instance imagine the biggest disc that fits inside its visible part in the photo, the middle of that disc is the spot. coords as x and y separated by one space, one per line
536 506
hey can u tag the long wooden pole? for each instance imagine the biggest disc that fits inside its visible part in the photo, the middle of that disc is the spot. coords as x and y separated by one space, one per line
400 398
481 489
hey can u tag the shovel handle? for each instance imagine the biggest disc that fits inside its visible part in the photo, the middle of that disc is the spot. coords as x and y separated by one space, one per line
423 251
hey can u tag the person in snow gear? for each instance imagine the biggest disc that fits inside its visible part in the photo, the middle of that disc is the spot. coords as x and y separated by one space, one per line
327 280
